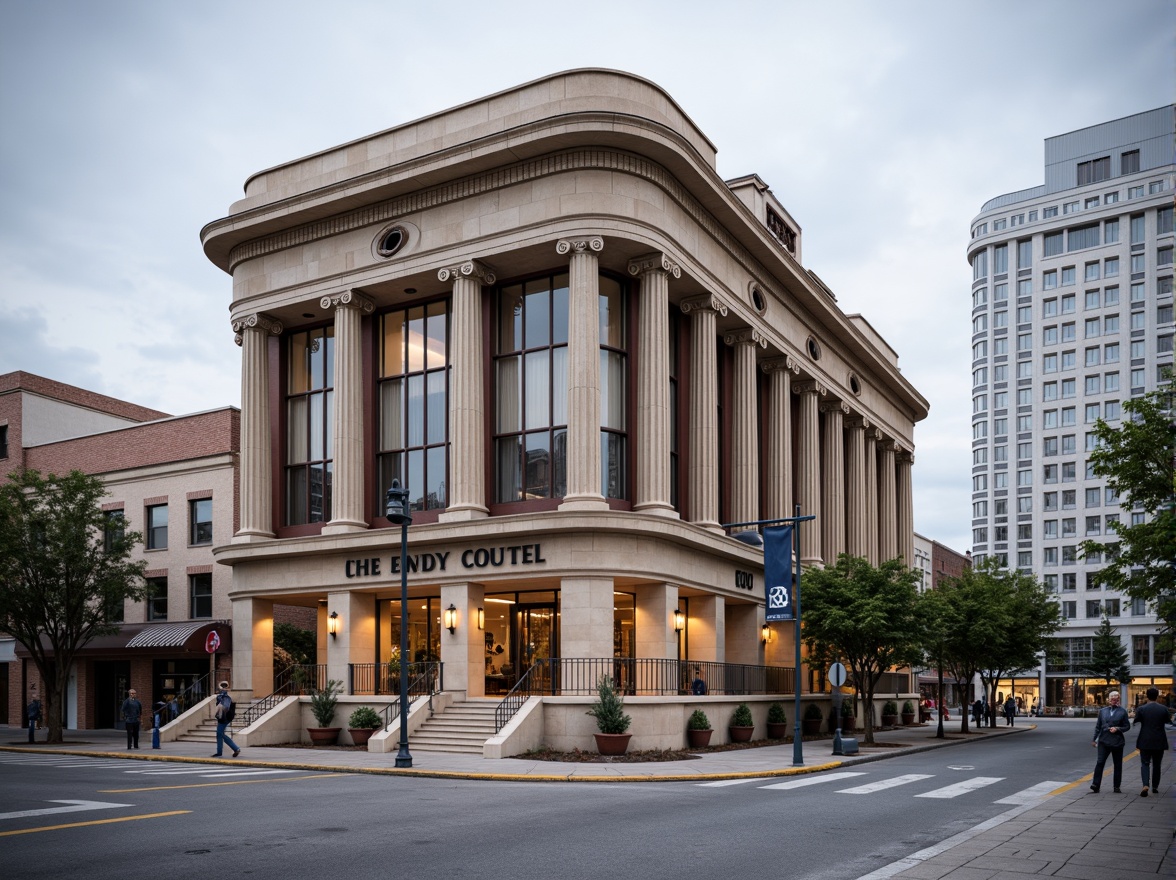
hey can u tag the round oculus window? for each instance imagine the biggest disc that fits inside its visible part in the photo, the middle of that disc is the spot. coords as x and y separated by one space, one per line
392 241
814 350
758 301
854 385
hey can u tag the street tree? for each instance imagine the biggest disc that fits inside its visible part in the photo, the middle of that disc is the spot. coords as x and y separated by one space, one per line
865 616
1108 657
1138 461
1024 618
62 573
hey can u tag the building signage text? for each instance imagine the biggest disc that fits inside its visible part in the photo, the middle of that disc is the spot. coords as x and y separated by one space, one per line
482 557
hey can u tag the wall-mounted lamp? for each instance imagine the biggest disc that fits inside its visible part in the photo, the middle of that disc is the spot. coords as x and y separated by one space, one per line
481 619
333 624
766 633
679 620
451 618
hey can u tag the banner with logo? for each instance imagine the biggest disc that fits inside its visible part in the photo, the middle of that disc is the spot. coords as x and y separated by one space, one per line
778 572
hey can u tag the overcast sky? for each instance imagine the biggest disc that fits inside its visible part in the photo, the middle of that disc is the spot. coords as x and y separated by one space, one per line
882 127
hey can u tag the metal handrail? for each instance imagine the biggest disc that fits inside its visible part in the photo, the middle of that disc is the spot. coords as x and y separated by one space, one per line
509 706
424 684
290 682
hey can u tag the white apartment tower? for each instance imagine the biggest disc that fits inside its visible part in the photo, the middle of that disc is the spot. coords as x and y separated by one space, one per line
1071 315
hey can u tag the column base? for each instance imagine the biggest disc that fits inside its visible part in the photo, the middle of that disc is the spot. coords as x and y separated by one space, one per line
252 537
657 509
583 502
343 526
463 514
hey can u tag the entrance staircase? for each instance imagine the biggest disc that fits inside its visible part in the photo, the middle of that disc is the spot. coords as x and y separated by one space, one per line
460 728
205 731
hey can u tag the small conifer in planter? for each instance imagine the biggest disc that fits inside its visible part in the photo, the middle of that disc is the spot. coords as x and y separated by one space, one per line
777 721
742 725
363 722
698 730
908 712
889 713
611 720
322 707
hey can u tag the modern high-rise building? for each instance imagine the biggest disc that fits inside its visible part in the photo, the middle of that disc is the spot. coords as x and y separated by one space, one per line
1071 316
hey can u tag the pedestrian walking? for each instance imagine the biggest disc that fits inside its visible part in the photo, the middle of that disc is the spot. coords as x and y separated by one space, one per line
1109 729
1010 711
977 712
1151 740
226 710
173 708
132 714
33 716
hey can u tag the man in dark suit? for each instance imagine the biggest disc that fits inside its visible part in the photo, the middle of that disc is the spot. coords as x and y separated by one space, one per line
1109 727
1151 719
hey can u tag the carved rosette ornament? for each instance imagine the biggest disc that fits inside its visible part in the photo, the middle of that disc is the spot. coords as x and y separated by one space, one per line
657 262
745 336
579 245
256 320
707 302
352 298
469 269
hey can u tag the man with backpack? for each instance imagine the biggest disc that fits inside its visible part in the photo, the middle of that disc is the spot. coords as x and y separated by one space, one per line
226 711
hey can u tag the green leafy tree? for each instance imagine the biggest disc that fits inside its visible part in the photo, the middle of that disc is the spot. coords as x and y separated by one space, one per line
1138 460
61 573
1023 618
300 644
1108 657
864 615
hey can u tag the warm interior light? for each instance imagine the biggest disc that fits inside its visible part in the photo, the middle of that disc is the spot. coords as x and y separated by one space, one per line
481 618
500 601
679 620
451 618
333 624
767 633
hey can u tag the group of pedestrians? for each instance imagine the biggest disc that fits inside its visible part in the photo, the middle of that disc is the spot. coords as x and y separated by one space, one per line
1110 730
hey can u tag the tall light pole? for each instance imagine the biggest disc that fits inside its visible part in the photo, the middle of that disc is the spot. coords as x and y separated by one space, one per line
397 511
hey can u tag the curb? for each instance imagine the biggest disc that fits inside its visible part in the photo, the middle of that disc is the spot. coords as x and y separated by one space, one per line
521 777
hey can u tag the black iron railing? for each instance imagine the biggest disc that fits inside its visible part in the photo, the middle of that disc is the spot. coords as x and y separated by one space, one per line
425 682
632 676
290 682
377 679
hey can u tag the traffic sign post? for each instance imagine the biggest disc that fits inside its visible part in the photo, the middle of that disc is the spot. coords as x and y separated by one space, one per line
847 745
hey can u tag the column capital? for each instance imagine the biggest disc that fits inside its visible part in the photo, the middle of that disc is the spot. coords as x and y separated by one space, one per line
780 364
348 299
810 386
655 262
256 321
468 269
857 420
874 433
579 245
887 444
903 455
745 336
835 406
708 302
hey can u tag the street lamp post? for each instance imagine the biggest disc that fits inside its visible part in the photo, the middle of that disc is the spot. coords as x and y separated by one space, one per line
397 511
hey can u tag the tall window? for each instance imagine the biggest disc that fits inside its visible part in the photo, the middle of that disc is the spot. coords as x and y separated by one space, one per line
157 527
309 398
157 598
112 530
1129 162
414 404
200 521
200 595
612 315
531 382
675 447
1000 259
1094 170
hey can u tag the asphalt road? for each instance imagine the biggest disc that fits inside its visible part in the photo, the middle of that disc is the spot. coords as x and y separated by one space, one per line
177 820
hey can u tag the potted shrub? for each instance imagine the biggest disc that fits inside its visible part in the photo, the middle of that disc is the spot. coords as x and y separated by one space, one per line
889 713
848 721
908 713
608 710
777 721
363 722
698 730
742 725
810 724
322 707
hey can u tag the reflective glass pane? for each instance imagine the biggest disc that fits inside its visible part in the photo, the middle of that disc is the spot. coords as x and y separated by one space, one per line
328 350
536 392
299 369
392 350
559 386
314 403
510 319
415 333
507 454
611 314
538 314
328 424
612 390
559 464
509 393
559 310
392 414
415 411
435 480
435 408
391 468
314 357
296 496
612 465
538 472
297 428
416 479
437 330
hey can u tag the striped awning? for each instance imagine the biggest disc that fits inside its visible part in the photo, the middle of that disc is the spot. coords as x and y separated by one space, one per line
159 639
166 635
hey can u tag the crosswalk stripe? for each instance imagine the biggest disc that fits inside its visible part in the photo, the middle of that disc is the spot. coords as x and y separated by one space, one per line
1031 794
235 773
881 785
959 788
802 781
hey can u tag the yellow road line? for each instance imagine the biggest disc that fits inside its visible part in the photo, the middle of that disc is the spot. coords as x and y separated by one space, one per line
1089 776
215 784
93 822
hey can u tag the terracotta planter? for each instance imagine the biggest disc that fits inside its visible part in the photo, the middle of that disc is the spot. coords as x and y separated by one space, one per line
848 722
810 726
698 739
324 736
908 718
777 729
360 735
889 720
612 743
740 734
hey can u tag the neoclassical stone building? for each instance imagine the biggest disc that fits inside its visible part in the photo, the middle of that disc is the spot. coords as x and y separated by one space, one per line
582 352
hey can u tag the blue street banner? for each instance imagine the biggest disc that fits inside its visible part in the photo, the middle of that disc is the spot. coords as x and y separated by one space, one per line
778 573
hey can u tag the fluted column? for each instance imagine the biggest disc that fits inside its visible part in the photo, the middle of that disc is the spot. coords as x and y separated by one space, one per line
906 508
347 430
887 508
744 426
257 487
872 437
833 482
584 478
467 408
704 406
856 520
808 489
652 451
778 458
